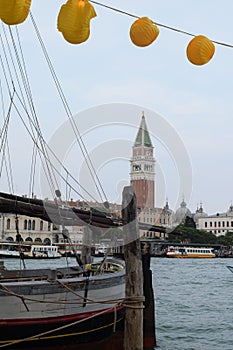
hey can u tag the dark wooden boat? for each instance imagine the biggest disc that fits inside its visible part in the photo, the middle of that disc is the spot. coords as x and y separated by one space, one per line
66 306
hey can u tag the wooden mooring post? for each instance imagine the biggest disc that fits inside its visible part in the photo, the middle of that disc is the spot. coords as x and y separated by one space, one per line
86 246
149 339
133 334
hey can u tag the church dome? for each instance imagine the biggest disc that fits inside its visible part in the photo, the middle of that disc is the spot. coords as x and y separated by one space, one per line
199 214
182 212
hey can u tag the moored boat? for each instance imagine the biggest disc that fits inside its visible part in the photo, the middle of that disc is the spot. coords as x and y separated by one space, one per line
69 249
28 251
190 252
66 306
100 250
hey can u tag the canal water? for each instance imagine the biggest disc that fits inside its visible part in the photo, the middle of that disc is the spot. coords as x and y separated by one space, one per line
193 302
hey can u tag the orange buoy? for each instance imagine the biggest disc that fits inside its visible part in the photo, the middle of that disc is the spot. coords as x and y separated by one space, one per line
143 32
200 50
14 11
74 20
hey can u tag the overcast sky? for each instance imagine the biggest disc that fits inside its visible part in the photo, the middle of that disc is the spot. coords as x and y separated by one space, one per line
108 75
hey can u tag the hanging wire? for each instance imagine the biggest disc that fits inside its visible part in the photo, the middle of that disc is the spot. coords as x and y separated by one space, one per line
34 152
3 138
54 155
23 72
157 23
35 132
6 152
79 139
22 98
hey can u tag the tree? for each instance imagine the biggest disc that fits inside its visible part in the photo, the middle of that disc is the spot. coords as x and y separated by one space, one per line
226 240
189 235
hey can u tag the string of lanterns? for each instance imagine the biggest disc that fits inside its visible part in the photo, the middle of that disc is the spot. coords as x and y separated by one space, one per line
74 23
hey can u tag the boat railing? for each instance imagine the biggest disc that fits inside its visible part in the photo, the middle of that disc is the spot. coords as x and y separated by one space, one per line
57 274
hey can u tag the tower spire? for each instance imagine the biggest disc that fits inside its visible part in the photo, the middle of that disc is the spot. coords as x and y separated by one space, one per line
143 136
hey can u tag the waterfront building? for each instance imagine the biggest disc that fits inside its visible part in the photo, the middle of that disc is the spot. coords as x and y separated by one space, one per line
34 230
155 216
218 224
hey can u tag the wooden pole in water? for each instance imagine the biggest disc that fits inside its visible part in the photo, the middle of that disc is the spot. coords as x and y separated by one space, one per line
86 245
133 335
149 336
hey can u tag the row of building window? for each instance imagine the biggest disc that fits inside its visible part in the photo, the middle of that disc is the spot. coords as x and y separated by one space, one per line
162 220
155 212
219 224
150 234
31 225
29 239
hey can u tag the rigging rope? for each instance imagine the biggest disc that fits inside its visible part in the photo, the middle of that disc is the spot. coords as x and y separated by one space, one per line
23 78
34 125
57 159
6 152
23 71
70 116
4 144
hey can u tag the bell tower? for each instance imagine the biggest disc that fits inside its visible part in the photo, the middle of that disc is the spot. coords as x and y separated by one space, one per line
142 168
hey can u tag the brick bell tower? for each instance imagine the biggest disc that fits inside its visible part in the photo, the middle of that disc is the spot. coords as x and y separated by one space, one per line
142 172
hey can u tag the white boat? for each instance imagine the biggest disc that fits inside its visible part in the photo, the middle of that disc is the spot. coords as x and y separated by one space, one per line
28 251
100 250
190 252
69 249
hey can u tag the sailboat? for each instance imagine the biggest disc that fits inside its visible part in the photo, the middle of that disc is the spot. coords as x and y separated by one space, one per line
46 307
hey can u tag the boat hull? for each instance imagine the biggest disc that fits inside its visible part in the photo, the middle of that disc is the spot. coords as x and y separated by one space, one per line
72 329
60 306
192 256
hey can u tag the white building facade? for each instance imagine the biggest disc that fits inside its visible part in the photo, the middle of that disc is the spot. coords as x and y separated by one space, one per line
218 224
34 230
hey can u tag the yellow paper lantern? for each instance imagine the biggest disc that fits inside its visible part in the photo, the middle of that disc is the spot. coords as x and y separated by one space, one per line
74 20
14 11
200 50
143 32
